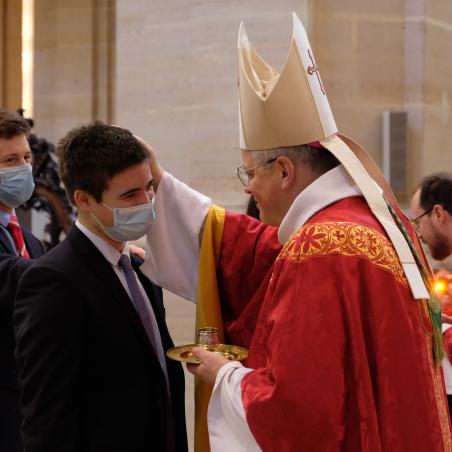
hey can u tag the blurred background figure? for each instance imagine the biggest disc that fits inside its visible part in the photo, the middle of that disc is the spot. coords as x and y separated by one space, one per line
28 180
431 208
18 247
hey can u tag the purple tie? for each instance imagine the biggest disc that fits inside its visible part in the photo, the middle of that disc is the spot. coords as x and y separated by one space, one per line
141 307
137 298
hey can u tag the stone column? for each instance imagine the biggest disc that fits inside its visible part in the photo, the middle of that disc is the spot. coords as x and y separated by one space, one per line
10 54
74 66
414 87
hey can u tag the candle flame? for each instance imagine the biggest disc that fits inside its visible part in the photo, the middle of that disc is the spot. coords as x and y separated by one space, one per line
440 287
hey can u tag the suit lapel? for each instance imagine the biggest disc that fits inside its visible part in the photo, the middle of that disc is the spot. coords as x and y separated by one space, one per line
108 279
32 244
6 241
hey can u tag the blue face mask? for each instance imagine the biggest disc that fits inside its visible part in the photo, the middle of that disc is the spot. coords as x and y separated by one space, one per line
129 223
16 185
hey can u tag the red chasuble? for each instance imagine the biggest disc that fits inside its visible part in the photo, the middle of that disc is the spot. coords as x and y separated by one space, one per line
342 352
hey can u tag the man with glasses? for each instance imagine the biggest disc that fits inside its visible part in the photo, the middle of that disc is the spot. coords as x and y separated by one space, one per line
431 207
326 292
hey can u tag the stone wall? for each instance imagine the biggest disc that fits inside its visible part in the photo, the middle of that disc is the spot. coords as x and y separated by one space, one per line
168 70
177 81
389 55
359 47
437 147
74 65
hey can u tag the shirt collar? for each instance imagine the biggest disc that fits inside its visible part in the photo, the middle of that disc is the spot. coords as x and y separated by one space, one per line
330 187
5 217
110 253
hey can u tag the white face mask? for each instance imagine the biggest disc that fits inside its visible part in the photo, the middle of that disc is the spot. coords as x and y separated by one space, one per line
129 223
16 185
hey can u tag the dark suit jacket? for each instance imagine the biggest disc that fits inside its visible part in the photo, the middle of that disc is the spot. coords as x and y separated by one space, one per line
11 269
91 381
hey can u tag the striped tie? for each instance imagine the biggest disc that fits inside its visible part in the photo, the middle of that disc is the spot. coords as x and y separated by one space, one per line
16 233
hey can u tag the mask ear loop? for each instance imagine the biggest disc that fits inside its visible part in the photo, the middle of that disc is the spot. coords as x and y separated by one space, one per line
108 207
97 220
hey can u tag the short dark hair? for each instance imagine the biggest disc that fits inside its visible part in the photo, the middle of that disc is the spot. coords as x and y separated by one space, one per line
318 159
12 125
436 189
89 156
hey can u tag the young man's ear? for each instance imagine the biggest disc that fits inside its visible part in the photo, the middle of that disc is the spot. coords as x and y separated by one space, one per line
83 201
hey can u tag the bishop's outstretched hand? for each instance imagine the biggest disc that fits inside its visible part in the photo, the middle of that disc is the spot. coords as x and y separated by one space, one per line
156 169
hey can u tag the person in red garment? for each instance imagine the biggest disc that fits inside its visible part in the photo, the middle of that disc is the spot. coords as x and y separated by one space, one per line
330 292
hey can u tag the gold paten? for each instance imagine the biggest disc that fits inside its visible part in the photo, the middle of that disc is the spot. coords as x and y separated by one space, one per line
184 354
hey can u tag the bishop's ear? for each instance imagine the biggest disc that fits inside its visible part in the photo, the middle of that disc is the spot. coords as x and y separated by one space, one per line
286 170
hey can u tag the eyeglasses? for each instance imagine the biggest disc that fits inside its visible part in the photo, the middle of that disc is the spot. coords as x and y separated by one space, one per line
415 221
244 174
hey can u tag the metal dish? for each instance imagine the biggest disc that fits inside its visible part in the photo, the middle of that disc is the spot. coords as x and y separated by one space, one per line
184 354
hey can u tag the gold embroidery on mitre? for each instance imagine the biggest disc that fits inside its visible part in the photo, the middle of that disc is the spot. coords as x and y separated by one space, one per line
345 238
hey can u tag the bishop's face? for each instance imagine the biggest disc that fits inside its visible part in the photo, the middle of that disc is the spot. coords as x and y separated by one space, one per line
264 184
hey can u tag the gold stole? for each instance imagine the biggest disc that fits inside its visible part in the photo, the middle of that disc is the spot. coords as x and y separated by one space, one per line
208 312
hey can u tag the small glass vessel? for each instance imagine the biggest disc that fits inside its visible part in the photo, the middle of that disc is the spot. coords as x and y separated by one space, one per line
208 336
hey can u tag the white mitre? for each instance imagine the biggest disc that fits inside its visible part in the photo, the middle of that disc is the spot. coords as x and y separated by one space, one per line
291 108
286 109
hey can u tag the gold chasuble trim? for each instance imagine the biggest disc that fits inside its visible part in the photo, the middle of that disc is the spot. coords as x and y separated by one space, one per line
349 239
208 312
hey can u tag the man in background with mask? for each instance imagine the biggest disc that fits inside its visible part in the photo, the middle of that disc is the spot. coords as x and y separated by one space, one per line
17 249
90 329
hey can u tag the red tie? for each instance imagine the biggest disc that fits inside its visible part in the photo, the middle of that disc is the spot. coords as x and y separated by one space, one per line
16 233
